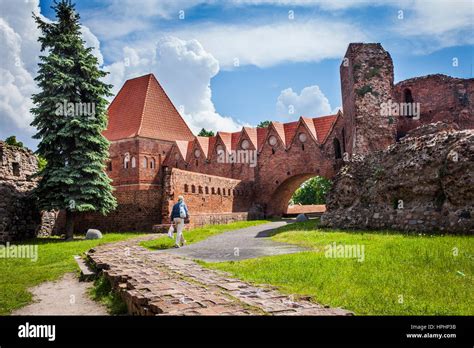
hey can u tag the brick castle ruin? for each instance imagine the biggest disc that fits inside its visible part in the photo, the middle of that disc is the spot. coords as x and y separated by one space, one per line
154 156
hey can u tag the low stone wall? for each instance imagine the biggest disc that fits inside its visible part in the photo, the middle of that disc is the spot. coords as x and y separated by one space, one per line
424 183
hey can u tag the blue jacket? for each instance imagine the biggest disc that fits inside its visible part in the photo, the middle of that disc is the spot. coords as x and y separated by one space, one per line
175 211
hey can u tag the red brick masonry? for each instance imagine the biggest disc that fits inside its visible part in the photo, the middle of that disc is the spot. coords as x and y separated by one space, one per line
154 283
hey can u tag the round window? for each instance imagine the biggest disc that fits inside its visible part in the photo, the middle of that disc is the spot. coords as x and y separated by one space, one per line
176 156
245 144
219 149
272 140
197 153
302 137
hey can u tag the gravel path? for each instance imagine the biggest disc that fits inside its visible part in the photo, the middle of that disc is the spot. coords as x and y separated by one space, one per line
66 296
245 243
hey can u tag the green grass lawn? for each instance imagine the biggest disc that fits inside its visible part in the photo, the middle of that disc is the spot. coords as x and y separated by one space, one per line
402 274
55 258
200 233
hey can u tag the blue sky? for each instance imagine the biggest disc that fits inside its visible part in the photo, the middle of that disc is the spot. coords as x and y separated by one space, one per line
288 52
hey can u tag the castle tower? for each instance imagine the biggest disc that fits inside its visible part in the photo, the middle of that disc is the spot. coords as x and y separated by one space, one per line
366 83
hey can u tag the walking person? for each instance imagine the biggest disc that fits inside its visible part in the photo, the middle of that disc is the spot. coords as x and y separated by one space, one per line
179 214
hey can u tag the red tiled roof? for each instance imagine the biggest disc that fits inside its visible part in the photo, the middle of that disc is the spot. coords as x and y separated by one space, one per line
290 129
252 135
235 139
310 124
182 146
142 108
323 126
261 136
204 143
280 131
226 139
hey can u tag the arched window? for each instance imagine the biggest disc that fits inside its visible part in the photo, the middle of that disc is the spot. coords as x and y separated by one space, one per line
126 161
152 163
145 163
207 190
186 188
134 162
407 96
193 189
218 190
213 190
337 148
200 189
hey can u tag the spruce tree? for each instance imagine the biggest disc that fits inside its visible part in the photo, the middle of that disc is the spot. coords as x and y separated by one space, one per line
70 114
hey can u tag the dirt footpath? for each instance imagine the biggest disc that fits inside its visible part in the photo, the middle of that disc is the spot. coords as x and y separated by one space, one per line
66 296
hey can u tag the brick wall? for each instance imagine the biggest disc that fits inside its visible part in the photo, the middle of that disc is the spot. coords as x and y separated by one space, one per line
366 82
210 199
138 210
441 98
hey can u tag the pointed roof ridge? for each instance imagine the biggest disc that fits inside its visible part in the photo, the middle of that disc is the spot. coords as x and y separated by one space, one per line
324 125
142 108
279 128
252 134
290 130
144 102
310 125
226 138
235 138
182 146
204 144
261 136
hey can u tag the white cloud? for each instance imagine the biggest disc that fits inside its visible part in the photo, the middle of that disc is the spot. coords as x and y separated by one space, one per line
270 44
20 49
311 102
92 41
19 64
437 24
184 69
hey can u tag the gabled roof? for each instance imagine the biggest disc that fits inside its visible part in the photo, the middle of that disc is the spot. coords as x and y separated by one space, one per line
142 108
308 122
323 125
280 131
182 146
235 139
252 135
290 130
226 139
204 144
261 136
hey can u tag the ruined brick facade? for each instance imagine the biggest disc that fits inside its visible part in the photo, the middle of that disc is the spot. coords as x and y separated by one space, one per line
154 156
442 98
18 218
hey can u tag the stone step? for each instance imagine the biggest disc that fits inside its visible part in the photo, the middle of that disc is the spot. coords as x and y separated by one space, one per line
87 274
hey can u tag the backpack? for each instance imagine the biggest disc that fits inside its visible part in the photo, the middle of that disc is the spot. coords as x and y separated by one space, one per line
182 211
